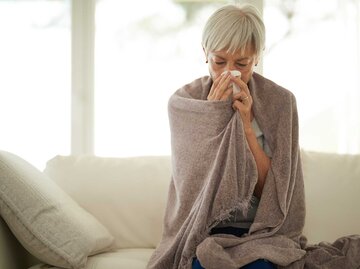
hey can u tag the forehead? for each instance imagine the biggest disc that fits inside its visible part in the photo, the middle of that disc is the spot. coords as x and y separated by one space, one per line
248 52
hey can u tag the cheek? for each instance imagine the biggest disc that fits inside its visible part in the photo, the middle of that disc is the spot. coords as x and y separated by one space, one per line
246 75
214 71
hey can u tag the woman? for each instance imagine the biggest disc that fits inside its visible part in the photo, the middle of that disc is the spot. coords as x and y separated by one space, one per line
236 197
239 49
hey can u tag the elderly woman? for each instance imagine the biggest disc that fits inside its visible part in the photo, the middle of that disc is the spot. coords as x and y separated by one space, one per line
238 48
236 196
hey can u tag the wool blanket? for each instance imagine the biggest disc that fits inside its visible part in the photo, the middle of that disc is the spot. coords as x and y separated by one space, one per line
214 174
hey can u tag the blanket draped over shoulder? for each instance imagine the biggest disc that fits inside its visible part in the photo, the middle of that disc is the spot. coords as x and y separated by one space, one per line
214 173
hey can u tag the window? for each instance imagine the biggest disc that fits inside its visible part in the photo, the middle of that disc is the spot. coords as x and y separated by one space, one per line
35 79
313 49
142 56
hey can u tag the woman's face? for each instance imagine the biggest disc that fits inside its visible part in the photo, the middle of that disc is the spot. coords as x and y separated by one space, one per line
220 61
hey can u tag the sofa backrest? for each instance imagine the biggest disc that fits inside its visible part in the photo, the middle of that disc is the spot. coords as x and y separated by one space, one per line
332 190
128 195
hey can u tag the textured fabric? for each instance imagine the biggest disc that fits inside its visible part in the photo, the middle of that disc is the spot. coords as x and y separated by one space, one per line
127 195
47 222
259 264
12 254
119 259
237 218
214 173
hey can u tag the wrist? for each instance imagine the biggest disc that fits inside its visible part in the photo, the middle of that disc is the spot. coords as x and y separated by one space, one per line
248 130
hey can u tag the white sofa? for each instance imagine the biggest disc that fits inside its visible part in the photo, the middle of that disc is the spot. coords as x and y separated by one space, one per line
128 196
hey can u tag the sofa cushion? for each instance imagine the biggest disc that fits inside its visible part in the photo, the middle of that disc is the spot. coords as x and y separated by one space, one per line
128 195
131 198
120 259
47 222
332 188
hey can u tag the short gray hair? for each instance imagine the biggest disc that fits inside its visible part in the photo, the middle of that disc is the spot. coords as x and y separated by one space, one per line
234 28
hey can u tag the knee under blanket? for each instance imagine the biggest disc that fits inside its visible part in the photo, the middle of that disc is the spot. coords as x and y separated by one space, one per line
214 173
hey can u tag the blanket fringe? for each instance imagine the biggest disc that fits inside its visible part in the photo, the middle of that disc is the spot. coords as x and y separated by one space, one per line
225 215
243 205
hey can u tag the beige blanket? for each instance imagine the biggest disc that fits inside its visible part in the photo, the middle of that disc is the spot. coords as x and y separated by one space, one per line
214 173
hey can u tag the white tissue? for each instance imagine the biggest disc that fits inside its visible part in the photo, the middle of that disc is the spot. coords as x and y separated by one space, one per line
235 73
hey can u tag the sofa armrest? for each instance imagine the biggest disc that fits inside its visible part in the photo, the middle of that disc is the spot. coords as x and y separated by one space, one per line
12 253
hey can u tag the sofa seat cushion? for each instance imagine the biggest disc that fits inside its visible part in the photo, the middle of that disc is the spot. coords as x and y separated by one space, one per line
119 259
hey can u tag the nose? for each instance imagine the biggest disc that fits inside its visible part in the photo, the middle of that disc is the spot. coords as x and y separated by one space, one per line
230 66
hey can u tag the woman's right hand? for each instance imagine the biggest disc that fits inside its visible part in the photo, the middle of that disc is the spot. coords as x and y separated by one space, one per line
221 89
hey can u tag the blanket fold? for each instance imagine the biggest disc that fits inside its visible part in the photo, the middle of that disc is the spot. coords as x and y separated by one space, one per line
214 174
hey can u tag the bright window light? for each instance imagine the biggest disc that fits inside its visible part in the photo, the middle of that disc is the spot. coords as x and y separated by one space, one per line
313 49
35 79
142 56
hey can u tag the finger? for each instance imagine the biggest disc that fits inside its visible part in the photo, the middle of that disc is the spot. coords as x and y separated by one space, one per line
212 90
226 94
214 85
242 85
222 87
238 96
242 108
246 98
217 82
241 96
237 105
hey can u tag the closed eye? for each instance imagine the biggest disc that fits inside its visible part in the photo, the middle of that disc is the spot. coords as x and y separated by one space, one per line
241 65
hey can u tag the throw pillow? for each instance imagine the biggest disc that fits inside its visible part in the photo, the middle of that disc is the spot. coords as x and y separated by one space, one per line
45 220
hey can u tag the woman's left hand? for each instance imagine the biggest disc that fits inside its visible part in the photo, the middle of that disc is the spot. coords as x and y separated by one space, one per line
243 101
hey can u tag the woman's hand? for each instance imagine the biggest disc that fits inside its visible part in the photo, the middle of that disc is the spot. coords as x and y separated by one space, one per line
221 88
243 103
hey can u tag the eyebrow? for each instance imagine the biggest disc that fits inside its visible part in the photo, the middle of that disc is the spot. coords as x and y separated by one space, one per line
240 59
